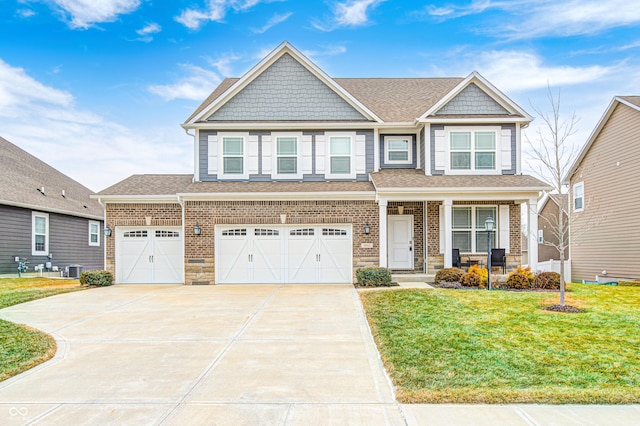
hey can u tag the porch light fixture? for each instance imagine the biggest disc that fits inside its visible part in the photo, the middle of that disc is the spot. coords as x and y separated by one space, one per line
107 231
489 226
197 230
367 229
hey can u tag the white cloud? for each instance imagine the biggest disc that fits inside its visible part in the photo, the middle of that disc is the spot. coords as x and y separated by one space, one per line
214 10
272 22
45 122
85 13
223 64
326 51
146 32
25 13
196 85
351 13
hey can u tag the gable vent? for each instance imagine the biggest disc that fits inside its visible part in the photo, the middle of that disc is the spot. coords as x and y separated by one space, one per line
41 190
63 194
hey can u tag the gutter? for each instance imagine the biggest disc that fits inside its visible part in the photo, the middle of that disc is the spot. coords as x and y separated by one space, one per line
51 210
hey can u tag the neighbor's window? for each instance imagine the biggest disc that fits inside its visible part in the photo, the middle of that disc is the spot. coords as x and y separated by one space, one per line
40 233
397 149
472 150
468 232
578 197
233 155
340 155
287 155
94 233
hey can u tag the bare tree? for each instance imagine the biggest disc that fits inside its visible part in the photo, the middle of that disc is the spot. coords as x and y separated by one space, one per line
553 155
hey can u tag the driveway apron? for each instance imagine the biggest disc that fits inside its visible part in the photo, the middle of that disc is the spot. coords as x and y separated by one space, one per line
294 354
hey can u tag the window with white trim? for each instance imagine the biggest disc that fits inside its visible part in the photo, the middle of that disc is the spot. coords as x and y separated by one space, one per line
472 149
287 158
94 233
468 232
232 154
39 234
340 156
578 197
398 149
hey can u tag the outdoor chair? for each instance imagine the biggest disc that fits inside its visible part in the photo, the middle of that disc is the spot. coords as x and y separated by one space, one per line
499 258
456 262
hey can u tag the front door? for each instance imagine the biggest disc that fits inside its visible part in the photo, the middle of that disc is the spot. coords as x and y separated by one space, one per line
400 241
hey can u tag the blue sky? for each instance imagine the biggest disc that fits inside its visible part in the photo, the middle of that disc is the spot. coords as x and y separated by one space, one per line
98 88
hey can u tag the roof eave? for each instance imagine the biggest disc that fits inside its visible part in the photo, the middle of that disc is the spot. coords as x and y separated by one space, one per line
115 198
50 210
279 196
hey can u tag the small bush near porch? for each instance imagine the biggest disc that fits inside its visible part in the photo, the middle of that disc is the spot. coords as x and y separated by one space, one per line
455 346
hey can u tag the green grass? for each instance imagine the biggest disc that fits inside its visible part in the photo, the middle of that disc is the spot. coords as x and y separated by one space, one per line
23 347
500 347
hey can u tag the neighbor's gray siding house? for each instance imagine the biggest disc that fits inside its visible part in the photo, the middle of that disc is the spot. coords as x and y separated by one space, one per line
44 212
605 197
548 226
304 178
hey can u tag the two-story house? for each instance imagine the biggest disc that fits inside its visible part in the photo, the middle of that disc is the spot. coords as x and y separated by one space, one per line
303 178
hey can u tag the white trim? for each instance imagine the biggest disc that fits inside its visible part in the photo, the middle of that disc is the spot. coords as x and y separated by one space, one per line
245 156
264 64
298 155
50 210
474 229
279 196
504 228
46 234
196 156
573 197
98 232
352 155
382 218
408 138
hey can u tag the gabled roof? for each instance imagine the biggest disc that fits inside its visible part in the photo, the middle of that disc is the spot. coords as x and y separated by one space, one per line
556 198
22 176
225 94
630 101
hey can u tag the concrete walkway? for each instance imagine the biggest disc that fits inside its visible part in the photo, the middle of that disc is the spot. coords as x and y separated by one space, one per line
202 355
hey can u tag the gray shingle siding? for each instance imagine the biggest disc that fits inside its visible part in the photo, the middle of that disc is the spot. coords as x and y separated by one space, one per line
472 100
68 241
286 91
414 156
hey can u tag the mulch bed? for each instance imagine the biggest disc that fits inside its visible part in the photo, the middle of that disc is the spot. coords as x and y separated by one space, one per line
567 309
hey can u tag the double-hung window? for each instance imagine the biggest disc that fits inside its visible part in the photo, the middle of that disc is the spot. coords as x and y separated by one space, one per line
578 197
472 150
397 149
287 159
340 159
40 234
232 153
94 233
468 232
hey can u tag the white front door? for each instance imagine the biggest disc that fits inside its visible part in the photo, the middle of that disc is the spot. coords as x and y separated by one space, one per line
400 241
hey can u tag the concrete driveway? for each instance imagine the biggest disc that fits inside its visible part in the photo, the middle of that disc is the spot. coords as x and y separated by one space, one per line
202 355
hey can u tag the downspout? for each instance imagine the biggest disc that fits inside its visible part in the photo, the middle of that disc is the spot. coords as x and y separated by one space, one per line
196 163
184 237
104 238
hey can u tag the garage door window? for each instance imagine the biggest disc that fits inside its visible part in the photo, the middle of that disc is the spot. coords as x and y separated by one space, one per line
167 234
135 234
304 231
258 232
234 232
333 232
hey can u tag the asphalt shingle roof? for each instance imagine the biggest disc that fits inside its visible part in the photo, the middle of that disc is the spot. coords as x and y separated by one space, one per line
22 174
631 99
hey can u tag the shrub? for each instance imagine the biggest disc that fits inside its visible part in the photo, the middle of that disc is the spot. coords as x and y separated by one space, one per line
483 273
449 275
374 277
96 278
470 280
634 283
526 271
547 280
517 281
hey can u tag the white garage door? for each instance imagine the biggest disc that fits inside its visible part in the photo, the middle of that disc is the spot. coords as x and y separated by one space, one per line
283 254
149 255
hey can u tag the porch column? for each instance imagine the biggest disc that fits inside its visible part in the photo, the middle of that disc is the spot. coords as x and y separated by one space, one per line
382 206
532 222
448 243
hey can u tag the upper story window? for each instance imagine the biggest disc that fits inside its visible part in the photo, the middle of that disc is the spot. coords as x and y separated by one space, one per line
287 156
472 149
340 156
40 234
232 152
398 150
94 233
578 197
468 228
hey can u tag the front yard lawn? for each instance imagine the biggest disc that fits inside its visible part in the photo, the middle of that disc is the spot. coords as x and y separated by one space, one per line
455 346
23 347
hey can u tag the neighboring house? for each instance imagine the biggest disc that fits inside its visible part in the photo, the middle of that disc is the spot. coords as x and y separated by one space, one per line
605 224
45 216
549 225
303 178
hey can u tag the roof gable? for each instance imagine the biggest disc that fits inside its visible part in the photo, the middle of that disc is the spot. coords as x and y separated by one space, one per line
475 96
23 176
288 93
